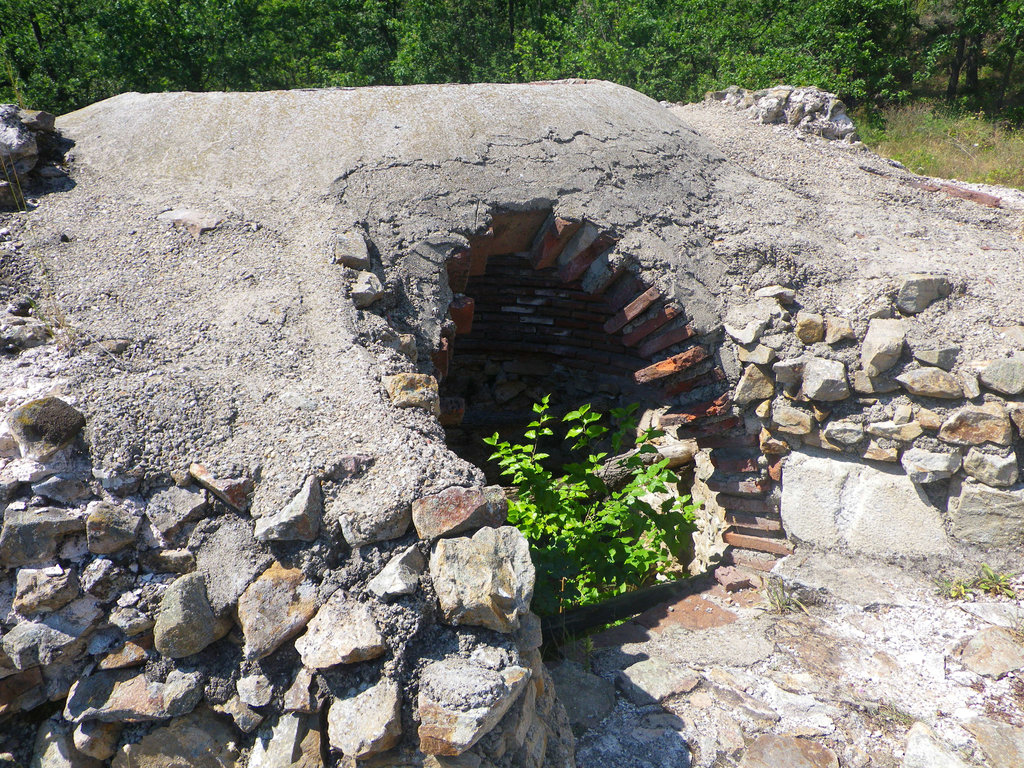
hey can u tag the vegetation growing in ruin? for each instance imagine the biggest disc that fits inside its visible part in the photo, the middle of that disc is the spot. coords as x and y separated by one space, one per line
589 541
988 581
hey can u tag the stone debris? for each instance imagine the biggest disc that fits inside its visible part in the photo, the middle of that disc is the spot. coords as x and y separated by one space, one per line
47 589
30 535
978 424
455 510
366 290
185 621
401 576
1002 743
806 110
1005 376
655 680
931 382
825 380
350 250
460 701
200 740
128 696
838 329
917 292
991 468
882 346
486 580
97 740
342 632
926 750
55 748
299 520
228 556
786 750
924 466
294 742
413 390
233 491
171 508
110 527
195 222
942 357
366 723
276 607
753 386
255 690
993 652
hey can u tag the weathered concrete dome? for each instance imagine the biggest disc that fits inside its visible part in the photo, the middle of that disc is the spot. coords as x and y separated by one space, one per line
279 312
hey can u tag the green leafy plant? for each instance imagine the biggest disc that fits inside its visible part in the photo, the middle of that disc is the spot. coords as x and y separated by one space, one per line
590 541
953 589
779 599
992 582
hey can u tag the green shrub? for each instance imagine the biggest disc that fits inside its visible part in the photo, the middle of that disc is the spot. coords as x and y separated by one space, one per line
590 542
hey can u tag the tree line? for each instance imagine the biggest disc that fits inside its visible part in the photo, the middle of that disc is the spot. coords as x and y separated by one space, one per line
60 55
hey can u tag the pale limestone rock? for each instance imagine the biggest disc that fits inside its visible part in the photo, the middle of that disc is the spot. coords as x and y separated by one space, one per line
776 751
366 723
300 518
460 701
753 385
844 433
255 690
588 699
780 293
54 748
486 580
196 222
185 621
1005 376
413 390
989 517
838 329
926 750
1002 743
924 466
990 468
792 421
891 430
366 290
830 502
110 527
759 355
171 508
293 743
810 327
789 372
40 590
275 608
350 250
882 346
342 632
400 576
942 357
931 382
917 292
96 739
978 424
825 380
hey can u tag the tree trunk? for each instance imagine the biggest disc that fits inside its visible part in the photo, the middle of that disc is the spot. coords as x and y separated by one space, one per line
972 64
1004 83
954 68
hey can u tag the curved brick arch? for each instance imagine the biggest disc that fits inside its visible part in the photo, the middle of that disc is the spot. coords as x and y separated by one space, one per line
546 287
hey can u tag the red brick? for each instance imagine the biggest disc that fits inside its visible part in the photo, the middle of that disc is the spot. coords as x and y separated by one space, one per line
573 270
759 561
551 240
712 432
753 522
458 509
747 504
632 310
775 470
458 271
774 546
624 291
722 438
748 464
510 232
671 365
975 197
477 263
681 416
453 409
461 310
649 326
690 384
740 487
665 340
441 357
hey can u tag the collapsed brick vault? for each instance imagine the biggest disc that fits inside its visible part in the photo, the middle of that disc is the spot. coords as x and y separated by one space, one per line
275 312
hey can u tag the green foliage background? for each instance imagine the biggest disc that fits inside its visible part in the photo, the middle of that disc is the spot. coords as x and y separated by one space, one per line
64 54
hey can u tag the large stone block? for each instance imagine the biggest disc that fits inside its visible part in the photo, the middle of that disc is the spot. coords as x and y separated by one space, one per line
829 502
987 516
